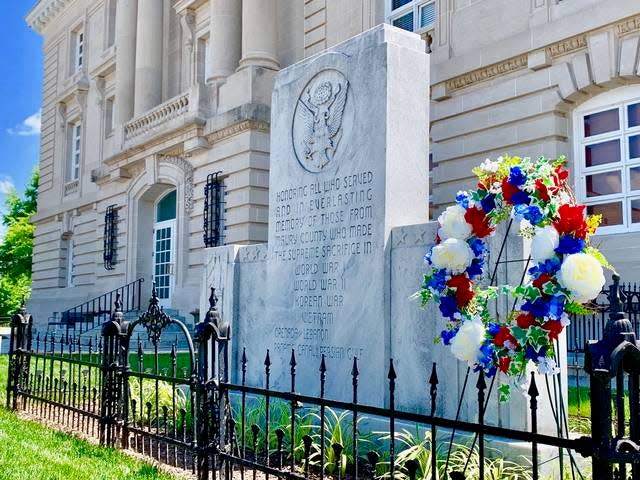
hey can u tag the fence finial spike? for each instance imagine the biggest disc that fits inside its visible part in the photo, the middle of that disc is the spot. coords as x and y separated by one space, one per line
292 361
267 359
481 384
118 303
392 371
433 379
244 355
213 299
615 301
354 369
533 388
323 365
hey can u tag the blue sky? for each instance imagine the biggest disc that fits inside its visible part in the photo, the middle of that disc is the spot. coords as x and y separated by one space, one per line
20 95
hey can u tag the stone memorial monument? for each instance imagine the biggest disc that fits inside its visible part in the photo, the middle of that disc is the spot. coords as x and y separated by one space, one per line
347 235
349 150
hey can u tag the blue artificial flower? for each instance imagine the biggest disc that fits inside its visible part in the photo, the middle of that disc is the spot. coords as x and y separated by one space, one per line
517 176
462 199
539 307
550 266
485 357
493 329
533 354
427 256
448 306
438 280
520 197
530 213
447 336
475 269
488 203
491 372
570 244
478 247
556 306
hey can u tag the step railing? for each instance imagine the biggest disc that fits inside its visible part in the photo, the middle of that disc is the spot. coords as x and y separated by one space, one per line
92 313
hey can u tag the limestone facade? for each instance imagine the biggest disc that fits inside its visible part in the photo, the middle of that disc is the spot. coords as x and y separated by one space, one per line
142 97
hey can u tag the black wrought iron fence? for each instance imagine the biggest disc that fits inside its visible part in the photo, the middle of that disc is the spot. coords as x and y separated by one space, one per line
180 408
591 326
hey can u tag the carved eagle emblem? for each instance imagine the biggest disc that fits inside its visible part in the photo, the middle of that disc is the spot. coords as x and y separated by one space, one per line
321 108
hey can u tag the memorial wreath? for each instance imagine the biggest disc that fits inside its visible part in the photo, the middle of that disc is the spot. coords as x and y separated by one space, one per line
565 271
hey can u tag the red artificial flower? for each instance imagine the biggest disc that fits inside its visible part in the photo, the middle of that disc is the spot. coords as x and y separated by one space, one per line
503 364
572 220
542 190
479 222
462 284
560 175
525 320
504 335
554 327
508 190
541 280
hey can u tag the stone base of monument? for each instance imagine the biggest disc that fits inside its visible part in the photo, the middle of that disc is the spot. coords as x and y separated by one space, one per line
239 274
348 197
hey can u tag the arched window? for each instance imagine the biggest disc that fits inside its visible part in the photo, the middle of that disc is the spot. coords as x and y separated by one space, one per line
166 207
607 158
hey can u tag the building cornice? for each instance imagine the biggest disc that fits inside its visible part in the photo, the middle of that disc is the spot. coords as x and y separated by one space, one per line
519 62
43 12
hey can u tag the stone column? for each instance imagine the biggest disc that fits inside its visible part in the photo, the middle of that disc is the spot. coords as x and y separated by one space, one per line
148 84
225 39
259 34
126 19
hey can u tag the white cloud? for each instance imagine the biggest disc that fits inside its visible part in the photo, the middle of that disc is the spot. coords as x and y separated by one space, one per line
28 127
6 185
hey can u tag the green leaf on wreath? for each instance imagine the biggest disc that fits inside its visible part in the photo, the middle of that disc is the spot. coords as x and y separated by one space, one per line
538 337
576 308
504 392
520 334
597 254
550 288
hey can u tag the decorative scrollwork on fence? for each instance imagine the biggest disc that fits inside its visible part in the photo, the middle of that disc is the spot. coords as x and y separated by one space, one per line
155 320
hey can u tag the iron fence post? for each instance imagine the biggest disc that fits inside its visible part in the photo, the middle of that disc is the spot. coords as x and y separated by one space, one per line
212 337
21 324
110 376
618 351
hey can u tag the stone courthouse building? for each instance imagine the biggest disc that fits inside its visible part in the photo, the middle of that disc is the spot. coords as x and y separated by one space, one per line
147 104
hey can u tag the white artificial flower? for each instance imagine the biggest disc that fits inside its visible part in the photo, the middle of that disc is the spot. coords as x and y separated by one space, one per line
547 366
453 224
582 275
453 255
465 346
489 166
564 319
544 243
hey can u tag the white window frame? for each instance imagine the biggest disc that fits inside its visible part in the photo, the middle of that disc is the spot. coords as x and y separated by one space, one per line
75 151
415 6
620 99
79 49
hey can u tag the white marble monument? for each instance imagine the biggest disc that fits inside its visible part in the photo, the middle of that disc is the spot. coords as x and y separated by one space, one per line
348 202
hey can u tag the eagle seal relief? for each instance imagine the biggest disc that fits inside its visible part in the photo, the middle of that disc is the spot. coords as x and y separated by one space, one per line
317 121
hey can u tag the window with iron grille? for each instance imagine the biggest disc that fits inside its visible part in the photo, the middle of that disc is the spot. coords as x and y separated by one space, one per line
214 210
110 237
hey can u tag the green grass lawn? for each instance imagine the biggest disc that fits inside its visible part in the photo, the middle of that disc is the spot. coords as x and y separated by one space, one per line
31 451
